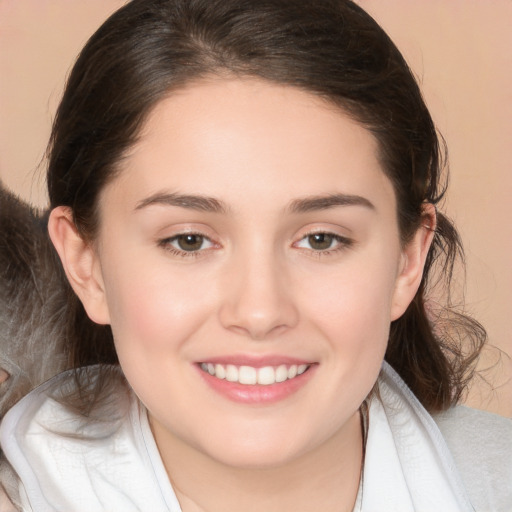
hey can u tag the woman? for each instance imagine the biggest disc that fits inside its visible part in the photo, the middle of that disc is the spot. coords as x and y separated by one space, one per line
244 202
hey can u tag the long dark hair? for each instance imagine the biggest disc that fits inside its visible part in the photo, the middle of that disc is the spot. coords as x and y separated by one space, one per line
330 48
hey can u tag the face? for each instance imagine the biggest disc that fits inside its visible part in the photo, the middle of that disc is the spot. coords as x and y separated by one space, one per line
249 261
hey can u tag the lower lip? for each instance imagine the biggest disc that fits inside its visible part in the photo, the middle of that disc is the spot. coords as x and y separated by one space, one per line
257 394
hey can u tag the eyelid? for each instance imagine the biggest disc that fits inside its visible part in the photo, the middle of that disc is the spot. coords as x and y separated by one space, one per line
343 242
199 235
165 243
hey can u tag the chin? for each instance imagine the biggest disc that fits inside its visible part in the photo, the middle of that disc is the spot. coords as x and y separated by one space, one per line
255 459
262 450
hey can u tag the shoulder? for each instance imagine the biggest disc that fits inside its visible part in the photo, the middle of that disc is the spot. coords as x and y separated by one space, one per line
73 449
43 435
474 447
462 424
85 404
71 402
481 445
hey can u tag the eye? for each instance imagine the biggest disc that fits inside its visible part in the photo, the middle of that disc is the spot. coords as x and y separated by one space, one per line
320 241
323 242
186 243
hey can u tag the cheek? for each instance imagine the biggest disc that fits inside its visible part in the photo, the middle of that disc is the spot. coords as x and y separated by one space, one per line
359 296
154 308
352 308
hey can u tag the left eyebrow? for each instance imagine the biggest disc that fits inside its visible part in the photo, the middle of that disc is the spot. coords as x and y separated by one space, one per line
314 203
187 201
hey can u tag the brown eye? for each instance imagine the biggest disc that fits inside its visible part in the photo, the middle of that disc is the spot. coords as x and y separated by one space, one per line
190 242
321 241
186 244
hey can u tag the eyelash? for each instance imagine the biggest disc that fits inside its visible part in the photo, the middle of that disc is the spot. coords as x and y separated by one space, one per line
342 244
165 243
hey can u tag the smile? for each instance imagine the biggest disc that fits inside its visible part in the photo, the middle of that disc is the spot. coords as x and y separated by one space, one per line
249 375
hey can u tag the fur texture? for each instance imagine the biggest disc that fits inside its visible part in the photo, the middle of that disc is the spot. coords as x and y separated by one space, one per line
33 309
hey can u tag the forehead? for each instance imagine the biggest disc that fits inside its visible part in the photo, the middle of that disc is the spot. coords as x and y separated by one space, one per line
247 138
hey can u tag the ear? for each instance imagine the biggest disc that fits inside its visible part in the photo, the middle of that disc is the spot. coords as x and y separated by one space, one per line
414 255
81 264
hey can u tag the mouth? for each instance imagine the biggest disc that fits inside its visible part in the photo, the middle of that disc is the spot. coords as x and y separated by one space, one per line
250 375
254 380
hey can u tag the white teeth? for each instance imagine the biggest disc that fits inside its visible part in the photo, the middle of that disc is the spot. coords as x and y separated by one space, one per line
266 375
301 369
220 371
249 375
231 373
281 373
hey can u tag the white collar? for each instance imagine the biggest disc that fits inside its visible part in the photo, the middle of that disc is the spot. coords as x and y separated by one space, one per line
408 466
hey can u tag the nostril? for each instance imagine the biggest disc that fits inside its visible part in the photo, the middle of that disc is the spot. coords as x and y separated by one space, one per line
3 376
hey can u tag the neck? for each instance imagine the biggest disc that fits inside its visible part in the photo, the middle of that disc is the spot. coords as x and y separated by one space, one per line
326 478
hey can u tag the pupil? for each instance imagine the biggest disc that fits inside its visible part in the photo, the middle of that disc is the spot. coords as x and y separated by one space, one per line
190 242
320 241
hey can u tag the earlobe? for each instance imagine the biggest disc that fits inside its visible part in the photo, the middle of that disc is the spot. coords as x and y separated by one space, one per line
414 255
80 263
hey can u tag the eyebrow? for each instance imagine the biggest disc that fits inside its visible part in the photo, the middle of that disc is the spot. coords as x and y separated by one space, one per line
188 201
211 204
309 204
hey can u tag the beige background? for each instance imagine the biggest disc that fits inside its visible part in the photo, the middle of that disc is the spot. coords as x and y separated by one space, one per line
461 52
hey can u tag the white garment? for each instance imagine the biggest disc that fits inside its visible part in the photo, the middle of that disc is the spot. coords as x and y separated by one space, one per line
112 463
410 466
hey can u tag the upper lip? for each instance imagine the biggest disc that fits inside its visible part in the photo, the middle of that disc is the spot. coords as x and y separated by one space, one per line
256 361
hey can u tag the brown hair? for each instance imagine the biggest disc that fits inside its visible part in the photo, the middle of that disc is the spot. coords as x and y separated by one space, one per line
331 48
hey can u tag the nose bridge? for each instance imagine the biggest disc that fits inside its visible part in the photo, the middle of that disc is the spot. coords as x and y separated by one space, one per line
257 299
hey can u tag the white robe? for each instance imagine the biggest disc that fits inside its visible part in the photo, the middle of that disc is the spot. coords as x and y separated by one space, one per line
111 463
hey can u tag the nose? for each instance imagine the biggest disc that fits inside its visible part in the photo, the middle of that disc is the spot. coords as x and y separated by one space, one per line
258 298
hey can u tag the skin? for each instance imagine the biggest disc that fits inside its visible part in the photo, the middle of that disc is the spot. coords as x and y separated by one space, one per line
257 286
3 375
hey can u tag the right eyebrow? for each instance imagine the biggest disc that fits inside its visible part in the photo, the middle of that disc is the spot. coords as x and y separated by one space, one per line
188 201
325 202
